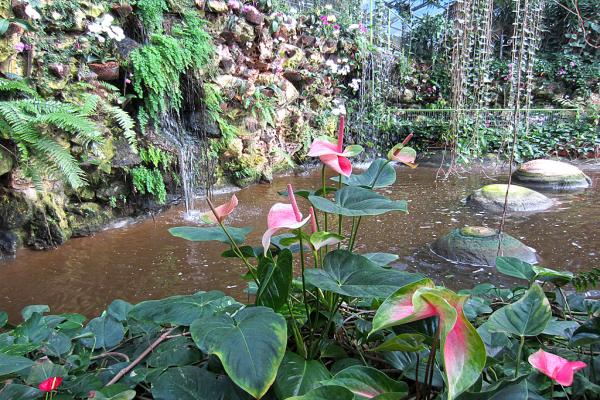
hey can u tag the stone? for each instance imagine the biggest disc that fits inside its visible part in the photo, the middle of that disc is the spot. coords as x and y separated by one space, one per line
551 174
15 209
242 32
218 7
478 246
48 227
59 70
9 243
124 156
85 219
254 16
115 189
6 161
520 199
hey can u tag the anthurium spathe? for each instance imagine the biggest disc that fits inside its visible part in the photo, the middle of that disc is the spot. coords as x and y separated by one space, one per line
283 216
220 212
333 154
462 348
402 153
50 384
555 367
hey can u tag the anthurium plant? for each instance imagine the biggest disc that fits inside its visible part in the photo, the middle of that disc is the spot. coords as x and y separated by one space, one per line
325 322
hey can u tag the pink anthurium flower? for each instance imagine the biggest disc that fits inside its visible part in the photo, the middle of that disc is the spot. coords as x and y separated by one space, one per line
50 384
402 153
462 348
283 216
557 368
222 211
332 155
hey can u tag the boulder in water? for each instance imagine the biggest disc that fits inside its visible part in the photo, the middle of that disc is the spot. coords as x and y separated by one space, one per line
551 174
477 245
520 199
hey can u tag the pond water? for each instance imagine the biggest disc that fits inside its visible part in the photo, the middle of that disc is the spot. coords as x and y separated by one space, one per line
143 261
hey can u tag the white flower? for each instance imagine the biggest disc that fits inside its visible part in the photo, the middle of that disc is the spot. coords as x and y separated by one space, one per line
107 20
329 7
339 107
31 12
116 33
56 16
353 27
331 18
94 28
355 84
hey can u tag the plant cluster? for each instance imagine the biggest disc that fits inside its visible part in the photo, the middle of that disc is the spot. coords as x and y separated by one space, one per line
346 327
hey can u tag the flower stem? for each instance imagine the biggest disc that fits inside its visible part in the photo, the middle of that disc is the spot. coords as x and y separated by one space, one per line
340 215
519 354
302 264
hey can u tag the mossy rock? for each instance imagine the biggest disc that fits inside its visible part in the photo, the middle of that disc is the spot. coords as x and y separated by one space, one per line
15 209
88 218
476 245
551 174
48 227
520 199
6 162
9 243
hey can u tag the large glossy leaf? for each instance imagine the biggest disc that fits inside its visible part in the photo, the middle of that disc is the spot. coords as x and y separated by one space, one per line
275 279
528 316
19 392
322 239
107 332
176 352
212 233
193 383
559 278
353 275
588 333
514 267
183 310
381 259
403 342
10 364
298 376
358 201
250 345
367 383
326 393
380 174
462 348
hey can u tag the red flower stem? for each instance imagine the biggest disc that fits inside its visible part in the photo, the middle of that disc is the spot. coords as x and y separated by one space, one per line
341 134
313 221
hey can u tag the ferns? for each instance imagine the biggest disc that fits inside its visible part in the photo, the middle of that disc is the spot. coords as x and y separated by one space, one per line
33 123
151 13
158 66
150 181
19 86
586 280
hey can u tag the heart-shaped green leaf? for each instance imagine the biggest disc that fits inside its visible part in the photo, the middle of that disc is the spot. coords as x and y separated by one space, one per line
381 259
516 268
587 334
380 174
193 383
275 279
559 278
326 393
528 316
367 383
356 202
298 376
10 364
212 233
15 391
353 275
107 332
250 345
183 310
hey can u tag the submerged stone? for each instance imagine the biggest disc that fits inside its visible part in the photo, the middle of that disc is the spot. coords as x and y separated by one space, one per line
551 174
520 199
477 245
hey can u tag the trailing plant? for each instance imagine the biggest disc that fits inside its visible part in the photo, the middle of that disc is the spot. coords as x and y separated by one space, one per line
149 181
151 13
587 279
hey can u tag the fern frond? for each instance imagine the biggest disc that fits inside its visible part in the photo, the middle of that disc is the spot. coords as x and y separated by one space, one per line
63 160
17 86
587 280
90 104
124 121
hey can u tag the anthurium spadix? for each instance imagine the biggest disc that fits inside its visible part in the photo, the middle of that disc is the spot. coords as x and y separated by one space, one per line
283 216
461 346
333 154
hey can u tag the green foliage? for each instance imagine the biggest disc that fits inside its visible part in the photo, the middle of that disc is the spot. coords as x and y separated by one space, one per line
150 181
587 279
151 14
158 66
156 157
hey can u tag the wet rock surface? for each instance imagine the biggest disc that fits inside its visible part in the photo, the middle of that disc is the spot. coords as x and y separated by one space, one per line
520 199
478 246
551 174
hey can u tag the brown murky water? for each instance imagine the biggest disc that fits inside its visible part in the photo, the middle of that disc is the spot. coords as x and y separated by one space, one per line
142 261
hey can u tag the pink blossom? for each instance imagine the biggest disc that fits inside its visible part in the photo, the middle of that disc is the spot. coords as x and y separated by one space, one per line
331 155
555 367
233 5
19 47
362 28
283 216
336 27
222 211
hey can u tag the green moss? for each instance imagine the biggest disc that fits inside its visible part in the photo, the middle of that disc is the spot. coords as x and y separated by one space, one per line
477 231
498 190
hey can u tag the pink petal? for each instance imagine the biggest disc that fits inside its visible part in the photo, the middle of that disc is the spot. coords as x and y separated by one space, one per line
222 211
323 147
281 216
339 164
564 375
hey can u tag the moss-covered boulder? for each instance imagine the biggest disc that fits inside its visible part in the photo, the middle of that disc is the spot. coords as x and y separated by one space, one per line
15 209
9 243
551 174
48 227
520 199
85 219
476 245
6 161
